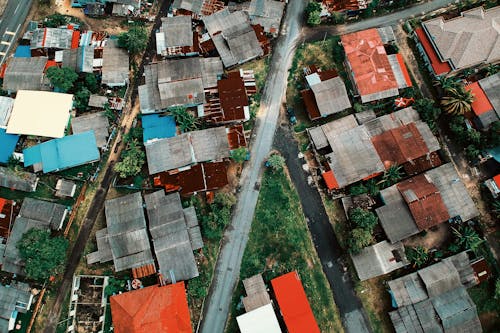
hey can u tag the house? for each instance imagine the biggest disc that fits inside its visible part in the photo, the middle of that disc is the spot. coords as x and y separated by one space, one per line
424 201
196 8
18 180
375 74
293 304
125 240
379 259
355 151
157 126
175 234
434 299
65 188
229 102
14 299
24 74
115 65
64 153
326 94
8 144
462 42
342 6
180 82
96 122
493 185
46 212
176 37
152 309
7 213
188 148
268 14
54 38
100 102
80 59
40 113
233 36
486 104
6 104
262 319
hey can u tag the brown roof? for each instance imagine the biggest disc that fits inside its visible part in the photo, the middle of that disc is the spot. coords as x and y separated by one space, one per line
310 103
236 137
424 200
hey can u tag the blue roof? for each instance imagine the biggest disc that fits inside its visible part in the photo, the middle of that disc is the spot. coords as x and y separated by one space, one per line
23 51
156 126
63 153
7 145
495 153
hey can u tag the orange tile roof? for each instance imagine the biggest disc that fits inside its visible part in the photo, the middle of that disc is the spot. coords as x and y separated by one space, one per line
404 70
370 65
481 103
439 67
152 309
75 39
331 182
293 303
496 179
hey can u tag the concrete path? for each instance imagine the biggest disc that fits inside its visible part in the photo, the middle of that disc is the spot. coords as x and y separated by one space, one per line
13 18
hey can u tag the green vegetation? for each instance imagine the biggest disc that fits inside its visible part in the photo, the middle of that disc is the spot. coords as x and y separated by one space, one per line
276 162
55 20
362 222
44 255
457 100
418 256
467 238
392 175
114 286
82 99
135 40
485 296
279 242
133 159
363 218
239 155
312 12
428 111
62 78
185 120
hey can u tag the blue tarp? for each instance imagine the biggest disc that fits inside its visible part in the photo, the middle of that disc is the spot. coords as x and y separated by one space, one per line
158 127
23 51
7 145
63 153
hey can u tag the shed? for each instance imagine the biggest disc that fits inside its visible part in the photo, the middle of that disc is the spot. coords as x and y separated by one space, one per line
329 96
157 126
18 180
65 188
96 122
257 295
379 259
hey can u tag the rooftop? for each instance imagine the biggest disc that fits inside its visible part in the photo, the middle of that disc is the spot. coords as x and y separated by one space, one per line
257 295
24 74
157 126
262 319
18 180
267 13
96 122
6 104
14 298
8 145
46 212
330 96
115 65
491 88
59 38
178 31
438 66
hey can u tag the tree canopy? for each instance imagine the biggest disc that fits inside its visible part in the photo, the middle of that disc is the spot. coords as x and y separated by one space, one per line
313 11
363 218
135 40
43 255
185 120
133 159
359 239
239 155
276 162
62 78
458 100
418 255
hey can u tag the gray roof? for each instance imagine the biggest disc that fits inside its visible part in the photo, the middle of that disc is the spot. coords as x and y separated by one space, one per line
97 122
470 39
168 226
6 104
15 297
331 95
178 31
267 13
80 59
379 259
455 196
194 6
115 65
97 101
188 148
18 180
365 116
395 216
393 120
58 38
193 228
386 34
440 278
491 87
44 211
65 188
399 74
24 74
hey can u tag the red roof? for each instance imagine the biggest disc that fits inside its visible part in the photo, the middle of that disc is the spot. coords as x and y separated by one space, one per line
236 137
293 303
425 202
50 63
75 39
481 103
439 67
371 69
330 180
233 97
404 70
7 211
152 309
310 104
496 179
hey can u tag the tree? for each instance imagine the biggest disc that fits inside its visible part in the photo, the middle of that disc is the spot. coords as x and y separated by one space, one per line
276 162
372 187
472 152
239 155
82 99
44 256
184 119
109 113
314 19
132 161
313 11
114 286
363 218
497 290
496 208
91 83
492 69
62 78
427 109
457 101
467 238
493 135
56 20
446 82
392 175
358 189
135 40
418 255
359 239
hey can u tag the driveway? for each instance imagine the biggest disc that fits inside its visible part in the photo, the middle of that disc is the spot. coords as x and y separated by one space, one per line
13 18
227 269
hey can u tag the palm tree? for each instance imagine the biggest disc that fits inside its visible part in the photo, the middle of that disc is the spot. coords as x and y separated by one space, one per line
185 120
392 175
492 69
418 255
457 101
496 208
468 238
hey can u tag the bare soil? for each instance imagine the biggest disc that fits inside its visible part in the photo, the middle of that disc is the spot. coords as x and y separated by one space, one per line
3 4
434 239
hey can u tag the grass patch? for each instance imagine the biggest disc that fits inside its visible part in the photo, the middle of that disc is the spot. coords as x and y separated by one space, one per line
279 242
377 303
260 69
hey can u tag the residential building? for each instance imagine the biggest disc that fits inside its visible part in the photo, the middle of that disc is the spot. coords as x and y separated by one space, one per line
424 201
376 75
65 188
18 180
80 59
6 104
326 94
176 37
434 299
14 299
157 126
293 304
196 8
96 122
343 6
379 259
7 213
268 14
8 144
115 65
64 153
46 212
233 36
54 38
40 113
24 74
465 41
100 102
257 295
152 309
493 185
486 104
262 319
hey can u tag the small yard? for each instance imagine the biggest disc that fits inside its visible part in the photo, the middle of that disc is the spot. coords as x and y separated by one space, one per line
279 242
488 307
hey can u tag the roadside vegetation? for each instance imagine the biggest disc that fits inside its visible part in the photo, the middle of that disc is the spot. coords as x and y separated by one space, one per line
279 242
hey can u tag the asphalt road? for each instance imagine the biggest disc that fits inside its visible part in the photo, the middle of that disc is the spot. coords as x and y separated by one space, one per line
351 310
13 18
227 269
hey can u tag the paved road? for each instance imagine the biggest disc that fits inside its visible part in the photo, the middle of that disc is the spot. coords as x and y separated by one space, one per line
235 238
351 310
13 18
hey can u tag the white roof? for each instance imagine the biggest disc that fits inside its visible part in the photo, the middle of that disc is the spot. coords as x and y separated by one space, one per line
260 320
40 113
